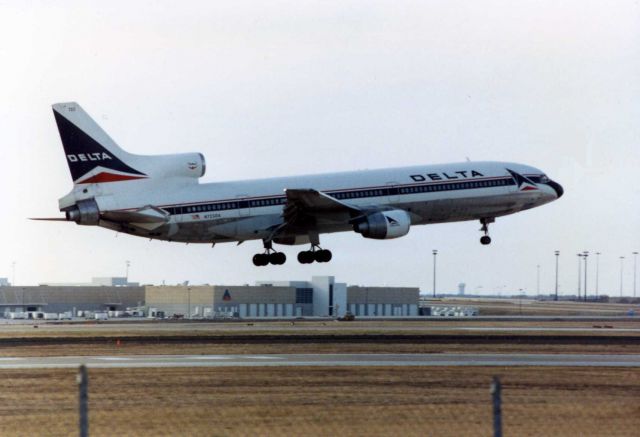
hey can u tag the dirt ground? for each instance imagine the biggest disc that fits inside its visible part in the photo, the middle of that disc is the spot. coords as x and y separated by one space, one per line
125 347
324 401
37 329
533 307
619 337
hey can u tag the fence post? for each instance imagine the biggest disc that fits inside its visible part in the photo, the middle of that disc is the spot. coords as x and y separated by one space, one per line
496 389
83 385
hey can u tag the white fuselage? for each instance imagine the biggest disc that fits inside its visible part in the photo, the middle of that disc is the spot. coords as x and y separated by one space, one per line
251 209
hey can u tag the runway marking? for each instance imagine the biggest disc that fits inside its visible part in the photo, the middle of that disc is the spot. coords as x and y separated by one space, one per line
262 357
328 360
208 357
113 358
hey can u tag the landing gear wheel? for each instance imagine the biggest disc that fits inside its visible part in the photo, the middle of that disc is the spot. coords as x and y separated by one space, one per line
305 257
315 254
486 239
322 255
270 256
277 258
260 259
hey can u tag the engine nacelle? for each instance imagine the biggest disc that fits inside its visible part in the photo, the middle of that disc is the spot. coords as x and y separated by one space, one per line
85 212
191 165
384 225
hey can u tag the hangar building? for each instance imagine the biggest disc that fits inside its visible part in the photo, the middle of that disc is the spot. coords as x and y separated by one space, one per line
63 298
320 297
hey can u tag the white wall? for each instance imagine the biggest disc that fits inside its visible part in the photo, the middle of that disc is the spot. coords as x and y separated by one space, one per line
320 286
339 299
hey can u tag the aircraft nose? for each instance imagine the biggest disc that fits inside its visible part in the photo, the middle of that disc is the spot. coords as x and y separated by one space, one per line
557 188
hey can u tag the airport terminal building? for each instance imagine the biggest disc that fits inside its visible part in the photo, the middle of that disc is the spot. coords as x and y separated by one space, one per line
319 297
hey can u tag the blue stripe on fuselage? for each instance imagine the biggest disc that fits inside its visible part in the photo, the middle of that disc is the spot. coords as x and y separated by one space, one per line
342 194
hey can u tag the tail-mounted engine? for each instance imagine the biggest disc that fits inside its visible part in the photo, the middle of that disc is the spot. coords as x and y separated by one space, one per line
384 225
191 165
85 212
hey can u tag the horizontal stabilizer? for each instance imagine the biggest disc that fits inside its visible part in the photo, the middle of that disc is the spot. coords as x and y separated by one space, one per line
49 219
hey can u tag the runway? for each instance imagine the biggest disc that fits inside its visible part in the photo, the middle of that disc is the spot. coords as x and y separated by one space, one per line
350 360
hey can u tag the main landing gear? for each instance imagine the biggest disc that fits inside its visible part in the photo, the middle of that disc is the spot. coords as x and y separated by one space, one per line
486 239
316 254
270 256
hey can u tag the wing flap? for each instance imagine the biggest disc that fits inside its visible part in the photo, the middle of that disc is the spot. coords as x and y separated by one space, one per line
314 201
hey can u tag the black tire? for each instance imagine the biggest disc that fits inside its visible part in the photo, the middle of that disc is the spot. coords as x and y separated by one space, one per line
305 257
485 240
277 258
322 256
282 258
259 260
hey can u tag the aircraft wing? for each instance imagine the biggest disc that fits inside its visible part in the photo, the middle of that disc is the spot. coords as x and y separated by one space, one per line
312 201
305 208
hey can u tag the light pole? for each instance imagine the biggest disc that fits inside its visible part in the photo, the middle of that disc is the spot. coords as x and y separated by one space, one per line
13 273
189 301
435 254
127 263
635 267
585 254
621 272
579 274
557 253
538 279
520 300
597 273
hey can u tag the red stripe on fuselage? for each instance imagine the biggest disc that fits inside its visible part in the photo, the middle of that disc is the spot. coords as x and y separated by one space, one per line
103 177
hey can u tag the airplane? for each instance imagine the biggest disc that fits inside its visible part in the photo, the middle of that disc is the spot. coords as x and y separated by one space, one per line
160 196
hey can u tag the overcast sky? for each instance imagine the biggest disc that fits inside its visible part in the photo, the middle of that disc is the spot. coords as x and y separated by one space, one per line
267 89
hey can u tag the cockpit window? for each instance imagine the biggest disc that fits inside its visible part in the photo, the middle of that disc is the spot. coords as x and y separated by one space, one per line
542 179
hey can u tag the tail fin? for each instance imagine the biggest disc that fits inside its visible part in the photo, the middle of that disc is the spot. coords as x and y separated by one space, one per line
92 155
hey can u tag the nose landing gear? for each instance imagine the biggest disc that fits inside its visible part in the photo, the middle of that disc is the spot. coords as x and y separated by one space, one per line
270 256
486 239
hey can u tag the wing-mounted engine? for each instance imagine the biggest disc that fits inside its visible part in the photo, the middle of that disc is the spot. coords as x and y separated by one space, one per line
384 225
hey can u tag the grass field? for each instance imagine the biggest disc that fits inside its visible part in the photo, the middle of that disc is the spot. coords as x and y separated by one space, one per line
533 307
37 329
324 401
349 401
319 337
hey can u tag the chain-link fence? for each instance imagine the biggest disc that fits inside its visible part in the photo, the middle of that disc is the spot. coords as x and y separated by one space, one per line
322 401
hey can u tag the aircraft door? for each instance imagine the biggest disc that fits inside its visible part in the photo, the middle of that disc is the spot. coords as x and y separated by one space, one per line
244 207
244 224
392 189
